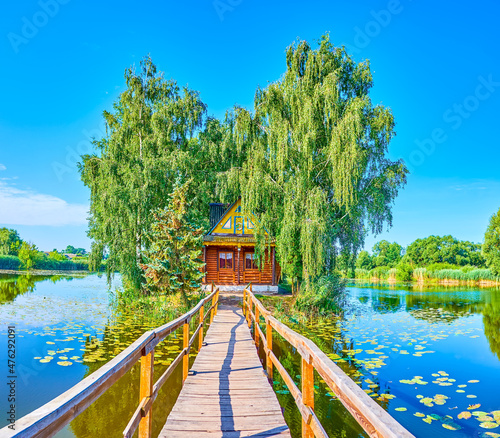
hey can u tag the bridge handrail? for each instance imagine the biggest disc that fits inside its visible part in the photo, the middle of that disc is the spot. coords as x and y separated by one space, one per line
372 418
57 413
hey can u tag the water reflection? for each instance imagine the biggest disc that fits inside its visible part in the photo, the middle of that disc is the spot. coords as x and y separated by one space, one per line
491 321
13 285
423 353
113 410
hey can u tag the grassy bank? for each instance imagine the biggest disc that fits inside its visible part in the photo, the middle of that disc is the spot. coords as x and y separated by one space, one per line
439 273
155 308
44 272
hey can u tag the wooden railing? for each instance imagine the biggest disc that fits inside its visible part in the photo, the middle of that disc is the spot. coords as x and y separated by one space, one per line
53 416
373 418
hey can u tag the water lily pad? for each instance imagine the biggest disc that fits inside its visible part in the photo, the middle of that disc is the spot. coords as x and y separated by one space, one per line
488 425
485 418
400 409
464 415
65 363
472 407
450 426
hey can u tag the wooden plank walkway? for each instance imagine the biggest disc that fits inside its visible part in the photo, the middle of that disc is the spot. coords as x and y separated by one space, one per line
227 393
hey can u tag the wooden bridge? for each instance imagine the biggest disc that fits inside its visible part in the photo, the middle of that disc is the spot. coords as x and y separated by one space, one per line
227 393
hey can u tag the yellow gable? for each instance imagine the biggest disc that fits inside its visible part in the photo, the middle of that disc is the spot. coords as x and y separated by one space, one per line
234 222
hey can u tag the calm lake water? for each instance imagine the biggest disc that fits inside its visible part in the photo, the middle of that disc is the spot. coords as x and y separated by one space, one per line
427 356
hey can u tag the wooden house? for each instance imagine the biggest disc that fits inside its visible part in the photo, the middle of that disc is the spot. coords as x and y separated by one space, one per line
229 252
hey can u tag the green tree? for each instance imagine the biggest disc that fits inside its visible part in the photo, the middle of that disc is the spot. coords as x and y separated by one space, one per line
10 242
54 255
445 249
150 142
386 253
174 254
364 261
404 272
70 249
491 247
28 255
316 172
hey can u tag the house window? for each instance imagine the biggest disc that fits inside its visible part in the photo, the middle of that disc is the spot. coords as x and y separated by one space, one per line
250 261
227 225
225 260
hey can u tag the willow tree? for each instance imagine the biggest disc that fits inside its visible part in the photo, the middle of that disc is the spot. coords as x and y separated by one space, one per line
317 173
491 247
149 142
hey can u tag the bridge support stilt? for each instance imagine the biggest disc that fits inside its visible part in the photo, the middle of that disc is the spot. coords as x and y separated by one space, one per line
307 395
146 390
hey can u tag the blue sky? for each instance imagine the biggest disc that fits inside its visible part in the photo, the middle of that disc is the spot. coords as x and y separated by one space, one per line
435 64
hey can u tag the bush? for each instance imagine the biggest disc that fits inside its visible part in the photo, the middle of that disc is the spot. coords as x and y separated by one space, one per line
10 262
482 274
440 266
404 272
320 297
363 274
420 273
49 264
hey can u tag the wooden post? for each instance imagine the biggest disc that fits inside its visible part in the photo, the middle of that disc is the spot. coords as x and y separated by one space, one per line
185 344
200 336
307 394
216 302
212 312
257 318
146 390
244 304
249 309
269 343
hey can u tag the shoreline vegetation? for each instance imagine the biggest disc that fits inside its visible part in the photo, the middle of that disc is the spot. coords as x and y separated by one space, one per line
452 276
431 281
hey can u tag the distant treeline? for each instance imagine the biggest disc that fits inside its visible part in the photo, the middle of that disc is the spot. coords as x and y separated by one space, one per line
433 258
43 262
17 254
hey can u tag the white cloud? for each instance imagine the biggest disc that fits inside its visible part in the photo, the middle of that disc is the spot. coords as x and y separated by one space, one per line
2 167
24 207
